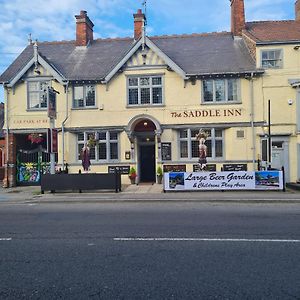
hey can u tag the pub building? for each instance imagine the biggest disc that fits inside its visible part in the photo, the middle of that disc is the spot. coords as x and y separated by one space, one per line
140 101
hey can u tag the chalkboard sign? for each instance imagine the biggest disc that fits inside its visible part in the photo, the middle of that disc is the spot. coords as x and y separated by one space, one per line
174 168
166 153
235 167
209 168
122 169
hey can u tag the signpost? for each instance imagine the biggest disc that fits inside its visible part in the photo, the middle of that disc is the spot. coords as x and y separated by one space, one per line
52 135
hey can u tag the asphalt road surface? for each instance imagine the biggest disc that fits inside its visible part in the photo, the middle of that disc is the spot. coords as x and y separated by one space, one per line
149 251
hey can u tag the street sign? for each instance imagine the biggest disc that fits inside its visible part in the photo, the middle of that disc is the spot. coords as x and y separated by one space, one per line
51 103
52 140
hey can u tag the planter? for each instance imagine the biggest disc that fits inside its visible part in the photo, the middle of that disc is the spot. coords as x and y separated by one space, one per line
132 180
159 179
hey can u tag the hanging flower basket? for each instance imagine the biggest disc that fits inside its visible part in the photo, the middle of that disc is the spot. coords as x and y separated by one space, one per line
92 141
35 138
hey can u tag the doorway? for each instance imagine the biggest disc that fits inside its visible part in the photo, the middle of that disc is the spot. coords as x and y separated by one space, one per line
147 163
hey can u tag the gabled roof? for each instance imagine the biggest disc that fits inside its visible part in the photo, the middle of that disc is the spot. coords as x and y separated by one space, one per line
265 32
196 54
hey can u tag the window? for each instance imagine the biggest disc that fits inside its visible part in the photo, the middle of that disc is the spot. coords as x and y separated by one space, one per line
271 59
145 90
220 90
37 94
189 146
106 147
84 96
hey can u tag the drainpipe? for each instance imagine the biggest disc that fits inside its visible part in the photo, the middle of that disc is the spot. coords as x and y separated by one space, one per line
63 125
252 121
7 129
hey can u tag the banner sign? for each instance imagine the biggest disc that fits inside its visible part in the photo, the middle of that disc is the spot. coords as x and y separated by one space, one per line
262 180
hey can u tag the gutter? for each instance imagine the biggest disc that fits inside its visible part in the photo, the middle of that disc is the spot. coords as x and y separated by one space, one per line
63 125
252 121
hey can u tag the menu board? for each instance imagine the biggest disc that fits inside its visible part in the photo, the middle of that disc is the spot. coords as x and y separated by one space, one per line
234 167
166 151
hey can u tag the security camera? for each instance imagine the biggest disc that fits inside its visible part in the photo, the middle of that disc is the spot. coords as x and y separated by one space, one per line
290 101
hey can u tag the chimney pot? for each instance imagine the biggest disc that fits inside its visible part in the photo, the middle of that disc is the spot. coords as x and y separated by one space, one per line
84 29
237 17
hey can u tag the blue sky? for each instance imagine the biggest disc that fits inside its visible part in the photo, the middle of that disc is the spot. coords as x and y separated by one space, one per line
53 20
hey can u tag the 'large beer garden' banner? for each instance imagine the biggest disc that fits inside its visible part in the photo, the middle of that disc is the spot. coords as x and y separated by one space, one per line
261 180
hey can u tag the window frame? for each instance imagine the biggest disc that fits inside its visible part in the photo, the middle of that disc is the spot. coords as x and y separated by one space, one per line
39 92
84 87
107 141
189 139
226 91
280 59
151 87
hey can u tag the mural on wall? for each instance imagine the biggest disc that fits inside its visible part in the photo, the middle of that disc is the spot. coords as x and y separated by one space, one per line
31 165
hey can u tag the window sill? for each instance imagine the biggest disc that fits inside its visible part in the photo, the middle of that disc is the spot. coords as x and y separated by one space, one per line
36 109
222 103
145 105
84 108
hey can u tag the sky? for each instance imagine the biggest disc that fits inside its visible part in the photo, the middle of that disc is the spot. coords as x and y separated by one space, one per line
53 20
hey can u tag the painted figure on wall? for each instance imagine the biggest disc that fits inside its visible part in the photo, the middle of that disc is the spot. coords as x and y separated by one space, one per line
201 137
85 158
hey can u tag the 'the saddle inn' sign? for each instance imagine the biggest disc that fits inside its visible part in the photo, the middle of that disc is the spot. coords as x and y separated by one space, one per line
204 113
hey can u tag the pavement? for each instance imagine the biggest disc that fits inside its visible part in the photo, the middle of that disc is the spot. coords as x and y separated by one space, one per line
145 193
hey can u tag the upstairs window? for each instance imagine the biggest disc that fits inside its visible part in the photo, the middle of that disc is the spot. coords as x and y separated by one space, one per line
84 96
271 59
145 90
220 90
37 94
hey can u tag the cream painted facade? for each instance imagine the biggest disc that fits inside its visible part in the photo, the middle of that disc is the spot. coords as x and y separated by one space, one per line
237 126
182 108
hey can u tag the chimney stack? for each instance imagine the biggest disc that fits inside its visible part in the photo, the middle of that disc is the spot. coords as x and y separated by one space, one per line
237 17
84 29
139 19
297 10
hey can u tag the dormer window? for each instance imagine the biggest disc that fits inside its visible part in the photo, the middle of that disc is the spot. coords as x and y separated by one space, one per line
271 59
84 96
37 94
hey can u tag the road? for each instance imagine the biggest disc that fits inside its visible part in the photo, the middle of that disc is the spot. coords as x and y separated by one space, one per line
149 251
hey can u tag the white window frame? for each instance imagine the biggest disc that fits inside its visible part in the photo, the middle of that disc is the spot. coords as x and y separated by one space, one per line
150 86
84 86
107 142
212 138
280 59
214 101
39 92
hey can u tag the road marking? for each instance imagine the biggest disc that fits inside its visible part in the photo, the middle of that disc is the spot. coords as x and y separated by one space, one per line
208 240
5 239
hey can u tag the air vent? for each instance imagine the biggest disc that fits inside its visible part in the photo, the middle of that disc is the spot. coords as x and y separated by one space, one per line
240 134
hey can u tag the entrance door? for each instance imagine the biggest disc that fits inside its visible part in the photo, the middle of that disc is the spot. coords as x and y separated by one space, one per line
277 158
147 163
